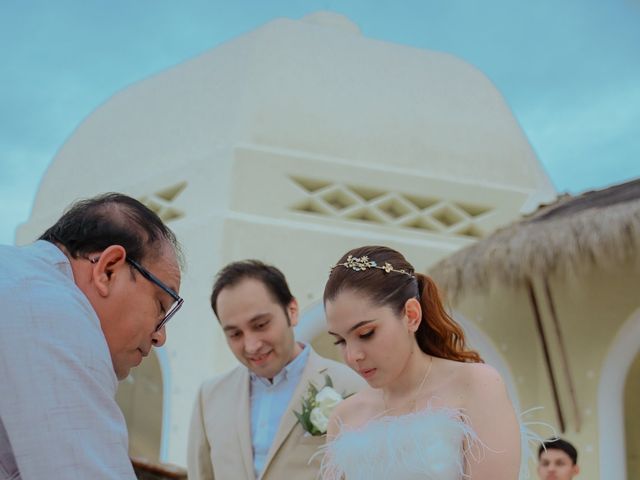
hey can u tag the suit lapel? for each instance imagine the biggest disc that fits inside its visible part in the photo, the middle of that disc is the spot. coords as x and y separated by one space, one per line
243 410
311 373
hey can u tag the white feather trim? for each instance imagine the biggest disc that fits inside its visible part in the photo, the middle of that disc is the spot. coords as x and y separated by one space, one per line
530 441
426 445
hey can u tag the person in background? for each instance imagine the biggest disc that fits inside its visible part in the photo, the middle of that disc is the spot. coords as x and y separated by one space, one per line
557 460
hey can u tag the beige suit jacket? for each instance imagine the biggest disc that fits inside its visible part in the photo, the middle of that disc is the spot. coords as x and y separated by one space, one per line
220 434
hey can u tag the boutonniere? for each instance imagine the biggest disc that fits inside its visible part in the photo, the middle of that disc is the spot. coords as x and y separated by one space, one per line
317 406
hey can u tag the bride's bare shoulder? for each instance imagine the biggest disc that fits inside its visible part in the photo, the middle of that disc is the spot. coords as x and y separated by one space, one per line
479 384
468 374
480 375
356 409
458 383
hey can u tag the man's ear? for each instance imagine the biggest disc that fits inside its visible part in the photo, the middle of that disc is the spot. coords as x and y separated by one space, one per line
112 261
413 313
293 312
576 470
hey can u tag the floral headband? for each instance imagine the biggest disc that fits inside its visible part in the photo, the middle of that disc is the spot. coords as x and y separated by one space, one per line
359 264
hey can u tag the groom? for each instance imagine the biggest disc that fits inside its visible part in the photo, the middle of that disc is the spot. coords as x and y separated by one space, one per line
243 425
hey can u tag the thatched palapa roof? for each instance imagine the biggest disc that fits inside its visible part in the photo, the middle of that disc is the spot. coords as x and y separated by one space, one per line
600 227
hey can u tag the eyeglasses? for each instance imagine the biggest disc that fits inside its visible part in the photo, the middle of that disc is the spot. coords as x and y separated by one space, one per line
177 300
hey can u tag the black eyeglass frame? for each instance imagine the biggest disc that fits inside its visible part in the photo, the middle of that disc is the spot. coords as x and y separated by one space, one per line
178 300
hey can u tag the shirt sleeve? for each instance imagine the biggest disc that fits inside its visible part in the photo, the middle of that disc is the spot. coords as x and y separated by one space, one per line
57 386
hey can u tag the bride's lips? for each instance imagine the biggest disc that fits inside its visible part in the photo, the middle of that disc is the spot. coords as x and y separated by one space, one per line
368 372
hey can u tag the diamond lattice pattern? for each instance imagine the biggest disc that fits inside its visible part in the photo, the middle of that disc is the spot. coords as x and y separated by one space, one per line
360 204
161 202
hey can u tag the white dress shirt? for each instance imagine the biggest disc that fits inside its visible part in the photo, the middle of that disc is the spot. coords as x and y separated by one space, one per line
269 401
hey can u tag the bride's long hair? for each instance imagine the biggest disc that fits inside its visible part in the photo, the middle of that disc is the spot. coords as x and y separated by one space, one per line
438 334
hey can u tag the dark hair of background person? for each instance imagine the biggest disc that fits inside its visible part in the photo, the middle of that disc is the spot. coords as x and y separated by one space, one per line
272 278
93 224
438 334
559 444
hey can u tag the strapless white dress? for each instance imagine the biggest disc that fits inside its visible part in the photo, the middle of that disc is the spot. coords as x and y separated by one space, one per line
426 445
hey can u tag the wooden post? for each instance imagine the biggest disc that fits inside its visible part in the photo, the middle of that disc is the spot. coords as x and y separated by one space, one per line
547 357
563 356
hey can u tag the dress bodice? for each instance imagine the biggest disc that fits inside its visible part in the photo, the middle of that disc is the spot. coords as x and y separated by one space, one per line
425 445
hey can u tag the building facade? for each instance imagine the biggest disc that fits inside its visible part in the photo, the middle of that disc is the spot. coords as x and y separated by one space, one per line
292 144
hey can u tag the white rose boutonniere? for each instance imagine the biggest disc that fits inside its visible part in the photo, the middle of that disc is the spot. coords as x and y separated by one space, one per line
317 406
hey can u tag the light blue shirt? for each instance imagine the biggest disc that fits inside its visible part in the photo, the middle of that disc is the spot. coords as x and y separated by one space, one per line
58 416
269 402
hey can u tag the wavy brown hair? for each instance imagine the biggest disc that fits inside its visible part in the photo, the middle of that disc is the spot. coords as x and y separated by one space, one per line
438 334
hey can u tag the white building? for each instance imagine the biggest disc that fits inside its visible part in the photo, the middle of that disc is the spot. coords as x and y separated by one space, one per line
292 144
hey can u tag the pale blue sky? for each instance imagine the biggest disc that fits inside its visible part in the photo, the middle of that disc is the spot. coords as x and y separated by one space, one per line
569 69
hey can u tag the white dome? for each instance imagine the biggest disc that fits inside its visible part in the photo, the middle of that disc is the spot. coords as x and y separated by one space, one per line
307 86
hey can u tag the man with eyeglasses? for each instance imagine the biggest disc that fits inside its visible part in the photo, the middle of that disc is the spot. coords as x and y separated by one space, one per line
80 307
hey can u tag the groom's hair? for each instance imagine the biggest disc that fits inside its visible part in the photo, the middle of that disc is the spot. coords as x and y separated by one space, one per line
560 444
272 278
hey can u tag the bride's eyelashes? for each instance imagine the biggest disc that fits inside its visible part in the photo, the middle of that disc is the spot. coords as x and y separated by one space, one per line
364 336
367 334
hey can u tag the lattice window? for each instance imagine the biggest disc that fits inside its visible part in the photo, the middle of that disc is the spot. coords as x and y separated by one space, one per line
362 204
161 202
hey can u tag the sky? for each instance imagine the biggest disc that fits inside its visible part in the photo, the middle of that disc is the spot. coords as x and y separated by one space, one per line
569 69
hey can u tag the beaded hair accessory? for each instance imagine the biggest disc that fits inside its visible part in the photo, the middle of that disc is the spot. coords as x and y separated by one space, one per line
359 264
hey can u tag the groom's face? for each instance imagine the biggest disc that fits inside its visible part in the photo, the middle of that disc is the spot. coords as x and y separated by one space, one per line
258 329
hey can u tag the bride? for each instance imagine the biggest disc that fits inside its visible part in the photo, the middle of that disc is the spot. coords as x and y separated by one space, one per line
432 408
